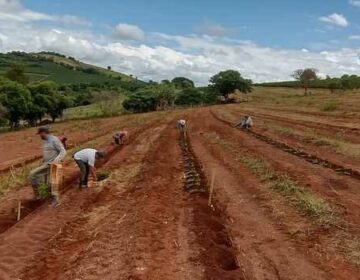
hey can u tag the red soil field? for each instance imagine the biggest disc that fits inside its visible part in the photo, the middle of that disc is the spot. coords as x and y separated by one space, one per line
141 223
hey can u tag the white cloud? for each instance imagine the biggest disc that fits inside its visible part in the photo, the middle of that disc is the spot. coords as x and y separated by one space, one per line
126 31
354 37
195 56
12 10
355 3
335 19
215 29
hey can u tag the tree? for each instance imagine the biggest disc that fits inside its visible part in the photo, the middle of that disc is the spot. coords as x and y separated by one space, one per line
182 83
165 95
334 85
165 82
17 74
189 96
305 76
16 98
49 100
140 102
226 82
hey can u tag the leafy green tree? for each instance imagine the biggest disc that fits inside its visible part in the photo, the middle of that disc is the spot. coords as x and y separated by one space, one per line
182 83
226 82
305 76
16 98
140 102
165 82
17 74
165 95
47 99
189 96
334 85
210 96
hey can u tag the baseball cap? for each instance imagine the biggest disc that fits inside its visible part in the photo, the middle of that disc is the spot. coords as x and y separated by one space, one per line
41 129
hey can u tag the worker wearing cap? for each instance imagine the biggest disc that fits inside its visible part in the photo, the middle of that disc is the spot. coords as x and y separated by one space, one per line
53 152
85 159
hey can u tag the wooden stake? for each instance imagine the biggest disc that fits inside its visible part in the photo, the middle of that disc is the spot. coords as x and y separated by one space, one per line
19 211
211 187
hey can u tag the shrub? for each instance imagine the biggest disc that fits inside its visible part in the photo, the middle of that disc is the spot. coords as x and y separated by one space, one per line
330 106
190 96
44 191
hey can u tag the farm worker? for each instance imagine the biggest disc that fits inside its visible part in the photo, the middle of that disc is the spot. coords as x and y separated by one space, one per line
246 122
120 137
53 152
181 125
85 159
63 140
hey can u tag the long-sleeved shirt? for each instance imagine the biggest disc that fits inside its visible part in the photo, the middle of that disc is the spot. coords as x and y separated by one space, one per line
53 150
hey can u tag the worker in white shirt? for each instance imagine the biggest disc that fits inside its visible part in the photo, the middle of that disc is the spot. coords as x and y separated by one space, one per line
85 159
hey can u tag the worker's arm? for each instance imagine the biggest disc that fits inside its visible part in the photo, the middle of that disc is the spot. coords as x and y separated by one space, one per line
60 148
93 173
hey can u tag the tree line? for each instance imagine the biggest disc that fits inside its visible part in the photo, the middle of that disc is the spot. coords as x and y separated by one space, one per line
181 91
308 78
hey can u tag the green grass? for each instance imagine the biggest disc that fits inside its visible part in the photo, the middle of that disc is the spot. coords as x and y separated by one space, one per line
330 106
304 201
100 109
15 178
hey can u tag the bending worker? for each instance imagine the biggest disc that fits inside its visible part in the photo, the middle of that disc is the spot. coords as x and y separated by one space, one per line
246 122
85 159
53 152
181 125
120 137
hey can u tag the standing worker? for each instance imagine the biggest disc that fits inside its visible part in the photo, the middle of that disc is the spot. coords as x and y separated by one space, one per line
53 152
85 159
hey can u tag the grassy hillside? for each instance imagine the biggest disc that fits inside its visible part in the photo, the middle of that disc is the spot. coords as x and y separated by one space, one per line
58 68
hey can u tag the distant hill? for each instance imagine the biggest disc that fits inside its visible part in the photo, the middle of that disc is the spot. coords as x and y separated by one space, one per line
59 68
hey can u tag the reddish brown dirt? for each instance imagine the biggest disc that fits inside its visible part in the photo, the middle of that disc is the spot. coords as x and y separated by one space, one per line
342 190
8 205
19 243
303 143
266 251
351 132
142 225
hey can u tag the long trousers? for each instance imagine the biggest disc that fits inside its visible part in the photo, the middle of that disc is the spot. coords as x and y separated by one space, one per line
84 170
38 176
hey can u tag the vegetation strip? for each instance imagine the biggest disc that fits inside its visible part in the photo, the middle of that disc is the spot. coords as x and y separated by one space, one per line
307 203
299 153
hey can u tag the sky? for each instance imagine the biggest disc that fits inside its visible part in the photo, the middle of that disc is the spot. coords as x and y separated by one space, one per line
158 39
